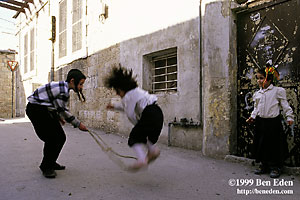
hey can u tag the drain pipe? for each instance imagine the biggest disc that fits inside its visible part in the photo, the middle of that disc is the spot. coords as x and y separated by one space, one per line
184 122
86 29
169 133
200 66
52 62
53 38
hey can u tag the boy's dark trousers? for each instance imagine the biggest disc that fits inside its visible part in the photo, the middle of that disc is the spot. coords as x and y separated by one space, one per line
47 127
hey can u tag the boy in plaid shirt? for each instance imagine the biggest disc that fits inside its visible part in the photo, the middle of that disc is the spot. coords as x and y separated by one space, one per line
46 108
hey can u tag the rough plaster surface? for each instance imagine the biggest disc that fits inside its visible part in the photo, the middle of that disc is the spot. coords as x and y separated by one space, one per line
217 82
185 37
131 54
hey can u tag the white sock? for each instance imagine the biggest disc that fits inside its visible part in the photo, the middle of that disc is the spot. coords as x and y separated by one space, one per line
141 155
151 147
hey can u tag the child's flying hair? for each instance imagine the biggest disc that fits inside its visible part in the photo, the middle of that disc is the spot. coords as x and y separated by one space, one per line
77 75
120 78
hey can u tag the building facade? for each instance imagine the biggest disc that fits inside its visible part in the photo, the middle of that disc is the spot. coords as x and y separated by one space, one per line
185 52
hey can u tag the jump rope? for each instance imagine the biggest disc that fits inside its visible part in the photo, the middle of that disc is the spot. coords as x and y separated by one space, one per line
112 154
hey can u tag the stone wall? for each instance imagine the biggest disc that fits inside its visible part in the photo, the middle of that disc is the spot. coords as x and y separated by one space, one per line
134 54
6 84
93 112
185 103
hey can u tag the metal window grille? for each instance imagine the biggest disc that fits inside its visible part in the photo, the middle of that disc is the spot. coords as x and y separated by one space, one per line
76 25
32 49
26 53
165 73
62 28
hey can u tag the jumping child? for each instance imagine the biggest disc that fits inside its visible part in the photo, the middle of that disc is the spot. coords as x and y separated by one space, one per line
270 147
142 111
46 108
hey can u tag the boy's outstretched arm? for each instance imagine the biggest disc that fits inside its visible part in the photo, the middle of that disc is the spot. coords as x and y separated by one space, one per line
82 127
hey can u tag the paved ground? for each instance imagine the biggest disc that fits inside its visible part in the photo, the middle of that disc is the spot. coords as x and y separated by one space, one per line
91 175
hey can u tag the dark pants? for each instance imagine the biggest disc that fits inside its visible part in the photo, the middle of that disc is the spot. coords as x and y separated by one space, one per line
148 127
270 145
47 127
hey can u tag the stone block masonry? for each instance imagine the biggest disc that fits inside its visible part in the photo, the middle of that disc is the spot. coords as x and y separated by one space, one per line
6 84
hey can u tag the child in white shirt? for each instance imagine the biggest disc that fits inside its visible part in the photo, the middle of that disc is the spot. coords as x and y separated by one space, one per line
270 147
142 111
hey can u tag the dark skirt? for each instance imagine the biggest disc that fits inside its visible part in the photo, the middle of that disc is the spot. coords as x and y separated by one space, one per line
148 127
270 145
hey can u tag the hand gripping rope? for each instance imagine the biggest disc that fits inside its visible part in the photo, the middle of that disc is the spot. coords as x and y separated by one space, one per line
113 155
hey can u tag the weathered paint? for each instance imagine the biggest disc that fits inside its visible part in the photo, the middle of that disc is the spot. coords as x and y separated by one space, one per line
274 38
218 79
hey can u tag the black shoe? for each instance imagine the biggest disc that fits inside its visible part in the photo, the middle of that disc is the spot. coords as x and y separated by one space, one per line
49 173
261 170
59 167
275 173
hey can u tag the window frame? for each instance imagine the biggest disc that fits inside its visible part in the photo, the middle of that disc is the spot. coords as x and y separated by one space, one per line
76 25
25 58
32 49
63 29
165 74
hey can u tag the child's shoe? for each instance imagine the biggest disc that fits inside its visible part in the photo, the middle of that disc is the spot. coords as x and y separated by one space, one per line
138 165
275 173
59 167
151 156
261 170
49 173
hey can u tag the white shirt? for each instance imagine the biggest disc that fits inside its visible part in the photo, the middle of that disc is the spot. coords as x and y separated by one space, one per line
267 103
134 102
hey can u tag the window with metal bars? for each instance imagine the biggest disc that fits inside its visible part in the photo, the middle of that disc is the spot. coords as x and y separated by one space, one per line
164 73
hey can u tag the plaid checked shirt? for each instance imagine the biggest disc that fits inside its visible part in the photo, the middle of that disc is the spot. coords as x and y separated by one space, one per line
55 96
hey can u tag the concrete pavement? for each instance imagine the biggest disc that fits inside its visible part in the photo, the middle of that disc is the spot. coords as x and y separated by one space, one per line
91 175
